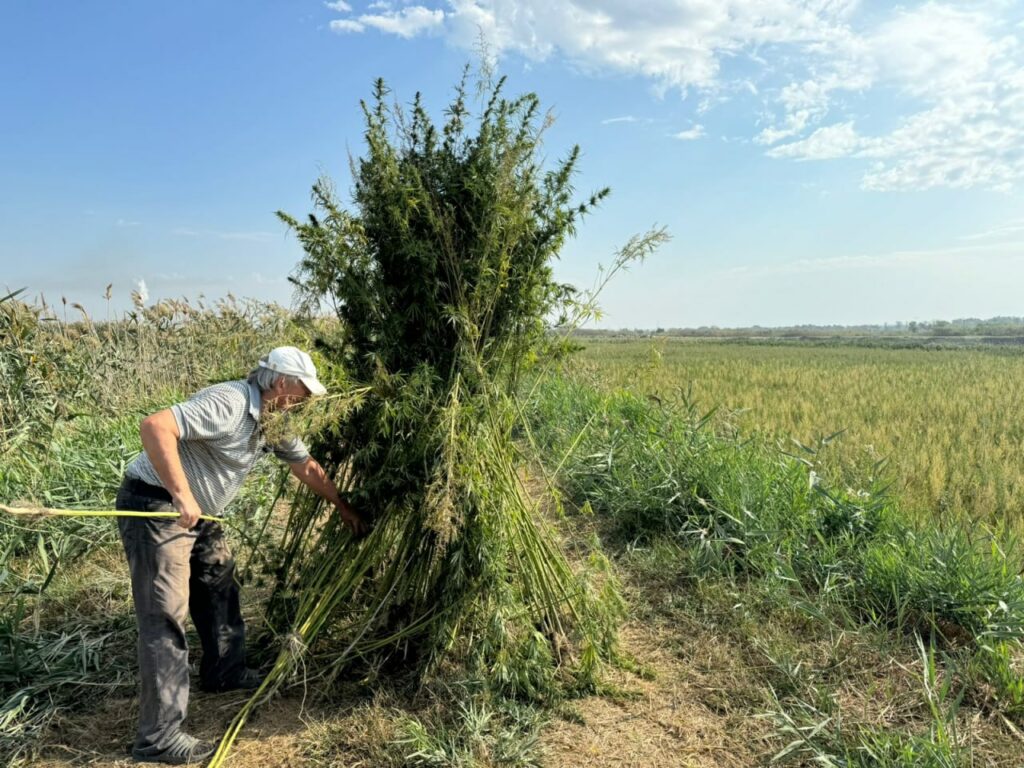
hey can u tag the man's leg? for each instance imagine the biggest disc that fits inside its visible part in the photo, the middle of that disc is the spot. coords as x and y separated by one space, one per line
214 605
158 552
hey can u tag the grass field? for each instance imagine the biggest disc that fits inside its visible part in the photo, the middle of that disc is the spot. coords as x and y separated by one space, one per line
778 610
950 422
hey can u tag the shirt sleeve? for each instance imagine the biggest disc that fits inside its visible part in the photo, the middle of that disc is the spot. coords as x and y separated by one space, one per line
211 413
291 451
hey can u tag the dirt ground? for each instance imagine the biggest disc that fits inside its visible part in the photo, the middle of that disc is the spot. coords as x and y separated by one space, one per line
657 723
652 723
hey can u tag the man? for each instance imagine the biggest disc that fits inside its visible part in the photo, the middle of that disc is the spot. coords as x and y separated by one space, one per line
196 456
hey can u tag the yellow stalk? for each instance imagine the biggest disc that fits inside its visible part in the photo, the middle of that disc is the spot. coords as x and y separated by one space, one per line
47 512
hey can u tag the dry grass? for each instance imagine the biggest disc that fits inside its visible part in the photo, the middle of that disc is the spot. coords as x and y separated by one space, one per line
101 738
658 722
708 677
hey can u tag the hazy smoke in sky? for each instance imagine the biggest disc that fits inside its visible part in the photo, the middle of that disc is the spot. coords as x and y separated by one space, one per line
140 286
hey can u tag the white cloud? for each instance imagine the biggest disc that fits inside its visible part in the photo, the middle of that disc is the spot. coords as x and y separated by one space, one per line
260 279
825 143
963 79
623 119
936 47
690 133
807 102
1009 229
346 25
677 43
408 22
339 5
949 73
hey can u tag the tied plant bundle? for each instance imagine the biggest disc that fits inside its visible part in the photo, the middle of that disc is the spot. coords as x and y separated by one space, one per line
440 277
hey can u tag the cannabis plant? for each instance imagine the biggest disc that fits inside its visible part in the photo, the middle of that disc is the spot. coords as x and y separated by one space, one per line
440 273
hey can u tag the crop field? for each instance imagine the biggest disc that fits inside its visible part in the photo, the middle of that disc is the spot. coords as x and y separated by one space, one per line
948 422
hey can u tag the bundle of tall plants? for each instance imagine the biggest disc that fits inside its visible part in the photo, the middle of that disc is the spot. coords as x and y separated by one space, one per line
440 273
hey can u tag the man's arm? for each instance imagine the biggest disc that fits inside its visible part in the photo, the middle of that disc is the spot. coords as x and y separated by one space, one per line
311 474
160 437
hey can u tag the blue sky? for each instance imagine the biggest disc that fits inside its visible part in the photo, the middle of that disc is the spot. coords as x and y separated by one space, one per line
815 162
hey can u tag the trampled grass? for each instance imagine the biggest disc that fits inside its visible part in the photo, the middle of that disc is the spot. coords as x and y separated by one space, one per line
950 422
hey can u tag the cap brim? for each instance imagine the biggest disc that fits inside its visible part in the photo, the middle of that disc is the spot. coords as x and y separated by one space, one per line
314 386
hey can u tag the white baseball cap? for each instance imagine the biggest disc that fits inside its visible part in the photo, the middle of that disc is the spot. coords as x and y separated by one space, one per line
292 361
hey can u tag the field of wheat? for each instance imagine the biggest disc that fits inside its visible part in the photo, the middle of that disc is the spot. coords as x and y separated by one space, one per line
949 423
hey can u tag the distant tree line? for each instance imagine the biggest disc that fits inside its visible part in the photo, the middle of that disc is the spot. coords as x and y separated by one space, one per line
967 326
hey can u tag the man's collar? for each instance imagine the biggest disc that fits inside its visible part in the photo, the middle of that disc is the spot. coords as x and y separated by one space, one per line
255 401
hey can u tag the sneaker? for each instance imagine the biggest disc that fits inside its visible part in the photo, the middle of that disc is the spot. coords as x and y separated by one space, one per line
248 680
182 749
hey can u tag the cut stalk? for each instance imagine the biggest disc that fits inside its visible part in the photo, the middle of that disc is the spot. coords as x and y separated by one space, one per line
48 512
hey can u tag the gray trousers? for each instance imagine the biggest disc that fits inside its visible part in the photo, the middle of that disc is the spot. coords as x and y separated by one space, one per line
175 572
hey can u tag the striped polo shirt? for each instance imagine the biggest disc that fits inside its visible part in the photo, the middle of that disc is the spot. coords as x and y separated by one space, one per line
220 443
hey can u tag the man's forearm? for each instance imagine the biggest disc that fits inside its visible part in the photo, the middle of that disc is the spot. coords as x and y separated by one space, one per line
311 474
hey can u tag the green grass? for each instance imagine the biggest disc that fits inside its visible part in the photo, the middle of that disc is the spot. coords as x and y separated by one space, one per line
744 508
456 727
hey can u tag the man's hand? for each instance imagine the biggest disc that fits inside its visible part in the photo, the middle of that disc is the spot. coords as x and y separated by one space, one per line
189 509
311 474
352 520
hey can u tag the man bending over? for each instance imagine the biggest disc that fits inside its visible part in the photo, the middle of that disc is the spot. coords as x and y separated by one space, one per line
196 456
